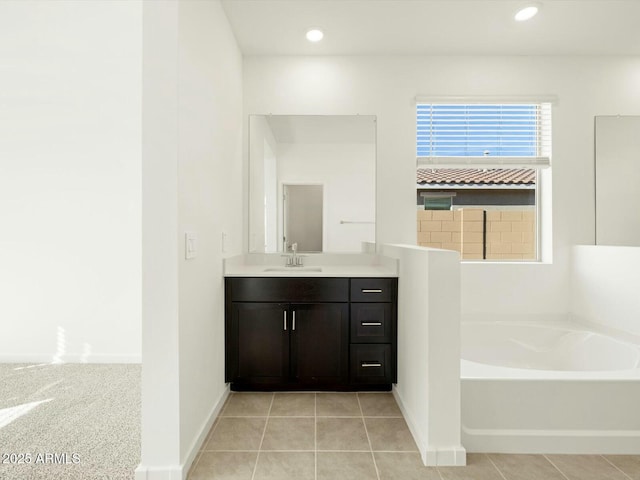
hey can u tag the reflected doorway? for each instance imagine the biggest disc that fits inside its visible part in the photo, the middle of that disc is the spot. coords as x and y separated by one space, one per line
303 211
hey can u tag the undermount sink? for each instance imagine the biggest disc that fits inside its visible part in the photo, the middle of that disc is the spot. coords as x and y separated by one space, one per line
293 269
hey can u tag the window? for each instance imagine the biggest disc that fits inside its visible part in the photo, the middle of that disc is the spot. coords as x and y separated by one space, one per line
477 177
447 133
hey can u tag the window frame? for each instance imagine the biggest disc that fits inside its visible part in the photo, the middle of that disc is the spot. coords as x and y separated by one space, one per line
541 161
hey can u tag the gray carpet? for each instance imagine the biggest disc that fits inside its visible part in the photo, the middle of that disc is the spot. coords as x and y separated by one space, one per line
86 417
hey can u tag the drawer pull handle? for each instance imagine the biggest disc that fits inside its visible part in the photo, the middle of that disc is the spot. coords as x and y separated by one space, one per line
371 290
293 321
371 324
367 364
285 319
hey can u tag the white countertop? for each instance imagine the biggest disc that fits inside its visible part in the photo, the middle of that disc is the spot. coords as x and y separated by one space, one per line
315 265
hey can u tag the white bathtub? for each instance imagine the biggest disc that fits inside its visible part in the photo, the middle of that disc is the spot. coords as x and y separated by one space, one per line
564 347
549 388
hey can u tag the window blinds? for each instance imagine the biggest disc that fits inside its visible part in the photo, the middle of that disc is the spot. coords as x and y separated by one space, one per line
486 135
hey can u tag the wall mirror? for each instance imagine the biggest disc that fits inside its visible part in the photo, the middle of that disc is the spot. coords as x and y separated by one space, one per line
617 179
312 182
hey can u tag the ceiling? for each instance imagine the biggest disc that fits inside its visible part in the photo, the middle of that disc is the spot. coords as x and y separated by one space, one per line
435 27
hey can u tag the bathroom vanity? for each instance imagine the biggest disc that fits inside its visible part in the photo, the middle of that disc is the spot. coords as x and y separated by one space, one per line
328 328
330 324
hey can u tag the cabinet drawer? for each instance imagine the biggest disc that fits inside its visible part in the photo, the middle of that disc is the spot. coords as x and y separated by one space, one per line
373 289
371 364
371 322
287 289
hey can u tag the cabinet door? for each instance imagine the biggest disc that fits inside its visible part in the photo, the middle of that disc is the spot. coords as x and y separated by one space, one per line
320 343
261 342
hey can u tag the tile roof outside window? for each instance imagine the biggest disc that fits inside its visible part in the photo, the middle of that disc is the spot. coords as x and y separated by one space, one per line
475 176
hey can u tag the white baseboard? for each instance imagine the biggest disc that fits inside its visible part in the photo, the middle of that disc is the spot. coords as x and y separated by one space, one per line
585 442
449 457
180 472
455 456
411 423
158 473
41 358
202 435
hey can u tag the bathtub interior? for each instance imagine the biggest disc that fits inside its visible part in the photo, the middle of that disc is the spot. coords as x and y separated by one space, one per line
546 346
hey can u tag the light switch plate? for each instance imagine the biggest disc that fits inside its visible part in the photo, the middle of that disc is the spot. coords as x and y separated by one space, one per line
190 245
225 239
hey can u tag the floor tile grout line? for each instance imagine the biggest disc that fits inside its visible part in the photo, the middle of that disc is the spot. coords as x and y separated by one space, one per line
343 416
397 451
345 451
255 467
495 466
616 467
270 416
555 466
383 416
366 431
285 451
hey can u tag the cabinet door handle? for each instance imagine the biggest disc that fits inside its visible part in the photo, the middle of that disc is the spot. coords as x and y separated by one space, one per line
371 290
371 324
285 319
293 321
367 364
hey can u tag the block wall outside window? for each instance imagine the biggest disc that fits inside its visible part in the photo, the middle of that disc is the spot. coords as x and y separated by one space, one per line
480 234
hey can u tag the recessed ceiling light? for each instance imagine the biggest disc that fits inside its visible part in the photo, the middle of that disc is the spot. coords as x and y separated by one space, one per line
315 35
527 12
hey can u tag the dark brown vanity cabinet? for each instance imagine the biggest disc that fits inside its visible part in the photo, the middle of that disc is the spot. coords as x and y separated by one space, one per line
372 352
307 333
281 344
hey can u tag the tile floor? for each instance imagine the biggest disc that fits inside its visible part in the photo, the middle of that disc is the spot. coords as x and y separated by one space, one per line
359 436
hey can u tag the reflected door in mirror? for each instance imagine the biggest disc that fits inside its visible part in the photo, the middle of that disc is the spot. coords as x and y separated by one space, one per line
303 217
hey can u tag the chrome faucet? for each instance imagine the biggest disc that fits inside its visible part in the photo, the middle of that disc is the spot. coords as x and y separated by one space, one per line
294 260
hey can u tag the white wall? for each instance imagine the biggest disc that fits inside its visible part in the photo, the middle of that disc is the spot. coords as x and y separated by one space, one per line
263 150
70 237
605 284
386 87
210 203
192 172
428 388
160 427
347 172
